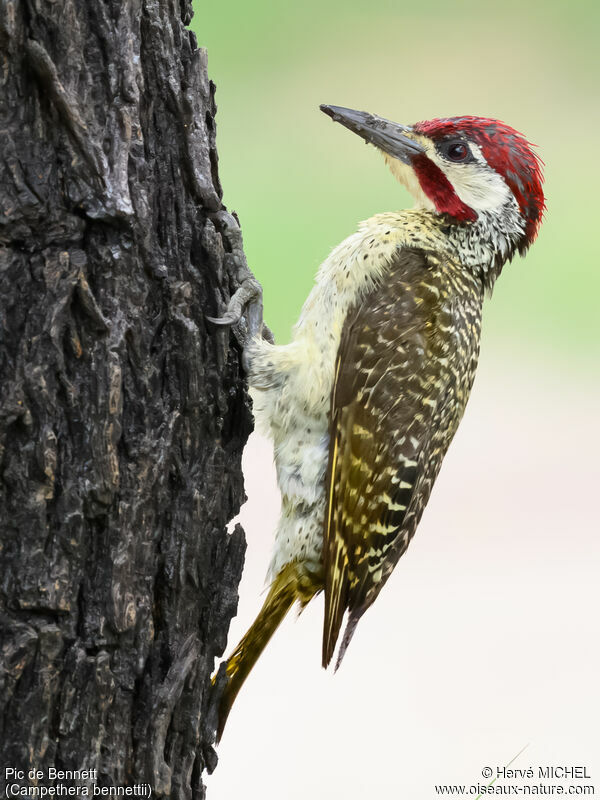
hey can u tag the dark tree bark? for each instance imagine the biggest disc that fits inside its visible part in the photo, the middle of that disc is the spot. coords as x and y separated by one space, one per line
122 413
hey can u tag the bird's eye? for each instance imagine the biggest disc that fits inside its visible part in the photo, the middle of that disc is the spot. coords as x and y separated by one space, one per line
457 151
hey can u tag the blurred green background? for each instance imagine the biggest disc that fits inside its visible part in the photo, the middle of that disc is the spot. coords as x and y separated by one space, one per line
300 183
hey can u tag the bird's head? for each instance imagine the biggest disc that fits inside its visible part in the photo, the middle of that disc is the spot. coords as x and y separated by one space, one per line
466 168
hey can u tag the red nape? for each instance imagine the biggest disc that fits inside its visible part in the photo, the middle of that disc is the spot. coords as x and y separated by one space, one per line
440 191
506 151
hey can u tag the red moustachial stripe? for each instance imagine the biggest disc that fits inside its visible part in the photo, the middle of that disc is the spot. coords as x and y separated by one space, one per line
505 150
440 191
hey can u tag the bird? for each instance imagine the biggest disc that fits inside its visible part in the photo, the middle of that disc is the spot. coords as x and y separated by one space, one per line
364 401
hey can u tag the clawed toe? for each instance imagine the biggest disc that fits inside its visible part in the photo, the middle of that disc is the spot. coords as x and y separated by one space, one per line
244 312
226 321
245 308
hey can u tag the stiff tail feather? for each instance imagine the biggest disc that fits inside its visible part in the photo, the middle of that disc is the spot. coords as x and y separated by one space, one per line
353 619
284 591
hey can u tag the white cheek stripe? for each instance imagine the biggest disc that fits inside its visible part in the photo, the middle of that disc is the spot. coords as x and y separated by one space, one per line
481 190
479 186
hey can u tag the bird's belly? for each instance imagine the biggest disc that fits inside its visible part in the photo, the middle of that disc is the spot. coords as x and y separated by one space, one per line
301 458
296 408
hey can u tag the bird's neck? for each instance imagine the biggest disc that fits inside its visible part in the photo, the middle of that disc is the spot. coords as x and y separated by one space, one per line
486 244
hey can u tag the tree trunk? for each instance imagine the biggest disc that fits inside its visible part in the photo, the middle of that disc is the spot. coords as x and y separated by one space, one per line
122 413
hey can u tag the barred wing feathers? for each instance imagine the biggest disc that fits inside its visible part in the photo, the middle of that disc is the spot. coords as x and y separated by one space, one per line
387 383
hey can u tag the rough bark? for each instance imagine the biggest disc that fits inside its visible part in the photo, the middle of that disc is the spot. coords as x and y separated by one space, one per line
122 413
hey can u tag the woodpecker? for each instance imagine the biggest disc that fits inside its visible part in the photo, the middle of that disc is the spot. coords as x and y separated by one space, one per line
364 402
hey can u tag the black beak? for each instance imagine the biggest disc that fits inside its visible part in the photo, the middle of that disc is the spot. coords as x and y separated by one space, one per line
387 136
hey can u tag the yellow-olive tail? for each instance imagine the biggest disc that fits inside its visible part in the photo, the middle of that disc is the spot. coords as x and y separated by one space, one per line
286 588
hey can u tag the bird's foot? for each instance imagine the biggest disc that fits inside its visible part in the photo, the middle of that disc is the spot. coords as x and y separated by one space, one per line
244 312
